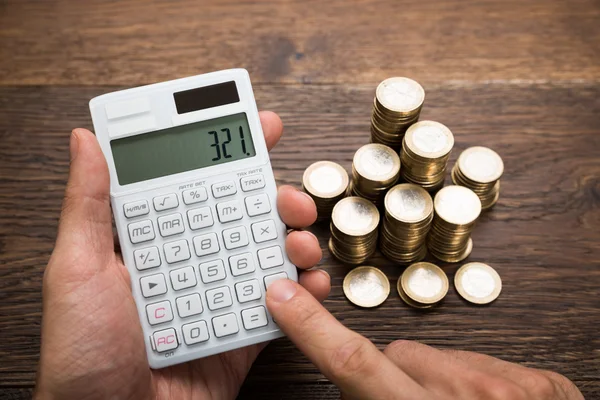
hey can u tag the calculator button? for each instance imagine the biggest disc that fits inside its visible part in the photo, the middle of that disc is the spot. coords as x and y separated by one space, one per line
248 291
176 251
253 182
183 278
225 325
269 279
153 285
235 238
159 312
263 231
270 257
241 264
165 202
257 205
170 225
189 305
212 271
136 208
196 332
141 231
219 298
229 211
255 317
206 244
193 196
146 258
165 340
199 218
223 189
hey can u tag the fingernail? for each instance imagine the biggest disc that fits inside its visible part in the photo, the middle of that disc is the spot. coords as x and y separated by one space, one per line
325 273
304 194
281 290
313 236
74 145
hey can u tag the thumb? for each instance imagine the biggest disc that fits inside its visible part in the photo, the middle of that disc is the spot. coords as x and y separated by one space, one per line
86 221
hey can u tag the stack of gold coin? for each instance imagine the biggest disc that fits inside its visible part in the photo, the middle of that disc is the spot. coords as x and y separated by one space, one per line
480 169
366 286
407 219
354 222
327 183
456 211
425 151
423 285
397 106
375 168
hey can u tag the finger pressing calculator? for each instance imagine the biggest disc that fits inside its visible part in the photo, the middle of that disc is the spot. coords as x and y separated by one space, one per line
194 201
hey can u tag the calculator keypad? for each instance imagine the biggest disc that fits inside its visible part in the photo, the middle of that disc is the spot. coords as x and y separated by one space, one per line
219 298
177 251
183 278
225 325
189 305
147 258
206 244
264 231
153 285
212 271
170 225
159 312
199 218
142 231
165 202
229 211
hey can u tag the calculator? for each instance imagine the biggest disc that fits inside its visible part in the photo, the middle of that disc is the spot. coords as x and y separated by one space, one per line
194 201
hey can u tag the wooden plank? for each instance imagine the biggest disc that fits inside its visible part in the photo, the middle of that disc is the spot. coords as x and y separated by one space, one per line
134 41
542 237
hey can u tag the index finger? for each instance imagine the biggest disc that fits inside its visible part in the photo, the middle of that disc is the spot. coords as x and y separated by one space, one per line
348 359
272 128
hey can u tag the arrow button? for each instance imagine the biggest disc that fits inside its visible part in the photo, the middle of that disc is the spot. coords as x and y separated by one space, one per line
153 285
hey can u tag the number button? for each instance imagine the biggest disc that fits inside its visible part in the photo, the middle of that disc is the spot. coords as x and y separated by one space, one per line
206 244
189 305
183 278
218 298
153 285
225 325
270 257
177 251
212 271
159 312
257 205
269 279
196 332
229 211
235 238
193 196
241 264
223 189
264 231
248 291
200 218
165 202
136 208
165 340
253 318
170 225
253 182
146 258
141 231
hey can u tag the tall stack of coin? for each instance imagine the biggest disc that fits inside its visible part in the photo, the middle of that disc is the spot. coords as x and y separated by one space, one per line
354 222
423 285
327 183
397 106
407 219
480 169
425 151
456 211
375 168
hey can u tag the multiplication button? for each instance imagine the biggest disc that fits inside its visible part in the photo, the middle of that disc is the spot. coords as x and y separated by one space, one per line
263 231
253 182
193 196
223 189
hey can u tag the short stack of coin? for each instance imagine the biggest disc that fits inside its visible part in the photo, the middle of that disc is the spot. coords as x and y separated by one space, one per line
479 169
375 168
425 151
423 285
456 211
327 183
366 286
397 105
354 222
406 222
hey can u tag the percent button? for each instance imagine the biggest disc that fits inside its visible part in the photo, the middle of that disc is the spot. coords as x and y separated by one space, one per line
196 195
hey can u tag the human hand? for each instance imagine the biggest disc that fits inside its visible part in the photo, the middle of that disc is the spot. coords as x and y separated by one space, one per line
92 341
404 370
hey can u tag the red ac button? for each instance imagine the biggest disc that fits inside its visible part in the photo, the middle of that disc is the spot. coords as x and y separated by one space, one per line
165 340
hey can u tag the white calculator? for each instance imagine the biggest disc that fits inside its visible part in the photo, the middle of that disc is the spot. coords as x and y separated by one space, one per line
194 201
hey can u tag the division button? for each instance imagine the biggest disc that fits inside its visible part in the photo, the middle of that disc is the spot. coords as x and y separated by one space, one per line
257 205
225 325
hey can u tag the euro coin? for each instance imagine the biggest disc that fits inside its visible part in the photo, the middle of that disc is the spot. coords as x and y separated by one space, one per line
366 286
424 284
478 283
327 183
375 168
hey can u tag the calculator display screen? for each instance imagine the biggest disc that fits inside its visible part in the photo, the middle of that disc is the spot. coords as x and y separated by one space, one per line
182 148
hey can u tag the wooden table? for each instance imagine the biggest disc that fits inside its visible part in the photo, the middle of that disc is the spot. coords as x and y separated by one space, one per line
522 77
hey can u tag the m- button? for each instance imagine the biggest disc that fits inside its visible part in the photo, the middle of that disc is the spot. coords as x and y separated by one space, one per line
223 189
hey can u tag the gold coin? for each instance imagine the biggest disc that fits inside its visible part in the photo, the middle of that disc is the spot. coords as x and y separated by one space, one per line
366 286
424 283
457 205
409 203
400 94
376 162
429 139
355 216
480 164
478 283
325 179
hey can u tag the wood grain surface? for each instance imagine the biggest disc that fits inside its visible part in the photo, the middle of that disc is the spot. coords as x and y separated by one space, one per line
522 77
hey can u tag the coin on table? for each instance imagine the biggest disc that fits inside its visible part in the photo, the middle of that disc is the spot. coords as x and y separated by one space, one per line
376 162
325 179
366 286
408 203
478 283
481 164
429 139
355 216
424 283
457 205
400 94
